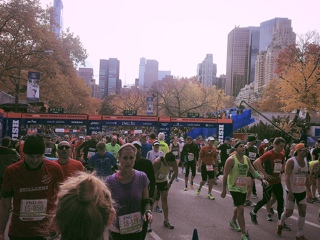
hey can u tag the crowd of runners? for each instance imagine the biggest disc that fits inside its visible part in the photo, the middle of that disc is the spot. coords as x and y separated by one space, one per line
42 174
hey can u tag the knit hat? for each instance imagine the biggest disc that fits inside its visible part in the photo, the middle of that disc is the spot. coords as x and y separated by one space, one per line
34 144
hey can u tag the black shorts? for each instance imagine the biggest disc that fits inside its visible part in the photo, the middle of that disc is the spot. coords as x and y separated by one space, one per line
238 198
298 197
206 174
163 186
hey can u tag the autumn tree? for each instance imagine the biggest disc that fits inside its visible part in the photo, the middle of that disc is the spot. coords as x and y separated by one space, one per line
26 39
299 73
270 101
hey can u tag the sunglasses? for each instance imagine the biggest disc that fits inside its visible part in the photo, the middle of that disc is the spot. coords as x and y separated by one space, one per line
63 147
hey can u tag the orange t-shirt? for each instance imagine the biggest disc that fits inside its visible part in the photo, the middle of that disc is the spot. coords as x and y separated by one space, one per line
208 155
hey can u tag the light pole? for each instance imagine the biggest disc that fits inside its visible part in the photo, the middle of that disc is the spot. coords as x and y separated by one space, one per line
17 87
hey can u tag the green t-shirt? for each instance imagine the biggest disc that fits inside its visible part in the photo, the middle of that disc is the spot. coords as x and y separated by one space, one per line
113 149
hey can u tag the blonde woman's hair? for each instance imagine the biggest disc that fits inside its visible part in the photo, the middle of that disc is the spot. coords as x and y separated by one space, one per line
125 146
84 205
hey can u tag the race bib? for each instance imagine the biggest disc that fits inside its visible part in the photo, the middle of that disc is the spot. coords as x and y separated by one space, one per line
130 223
300 181
277 168
252 156
241 181
209 168
190 157
47 151
161 176
33 209
228 151
90 154
175 153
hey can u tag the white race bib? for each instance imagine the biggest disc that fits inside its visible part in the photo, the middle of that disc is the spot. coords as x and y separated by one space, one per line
277 167
33 209
130 223
175 153
190 157
241 181
209 168
300 181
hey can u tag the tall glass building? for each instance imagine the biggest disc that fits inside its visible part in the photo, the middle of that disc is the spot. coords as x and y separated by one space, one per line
109 81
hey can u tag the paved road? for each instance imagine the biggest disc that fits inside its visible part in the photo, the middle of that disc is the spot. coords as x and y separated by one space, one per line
210 217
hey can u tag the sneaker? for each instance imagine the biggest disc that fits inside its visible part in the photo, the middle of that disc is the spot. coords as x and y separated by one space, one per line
235 226
191 185
253 217
310 200
316 200
149 228
183 171
254 196
177 179
286 227
168 225
271 211
249 203
210 196
198 191
245 236
185 189
269 217
301 238
279 229
157 209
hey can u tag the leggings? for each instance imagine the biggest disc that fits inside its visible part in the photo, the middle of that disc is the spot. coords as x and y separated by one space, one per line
192 165
277 190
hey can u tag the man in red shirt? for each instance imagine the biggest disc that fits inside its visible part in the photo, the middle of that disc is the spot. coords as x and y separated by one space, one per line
69 166
32 184
207 164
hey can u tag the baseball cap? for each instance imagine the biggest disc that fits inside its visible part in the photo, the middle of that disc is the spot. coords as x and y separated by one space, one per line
299 146
227 138
265 140
210 138
156 143
181 139
189 138
81 137
136 143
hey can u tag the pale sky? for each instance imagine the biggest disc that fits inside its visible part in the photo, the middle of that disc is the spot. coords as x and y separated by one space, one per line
176 33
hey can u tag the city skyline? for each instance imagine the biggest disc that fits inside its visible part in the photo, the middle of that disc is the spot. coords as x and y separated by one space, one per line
178 34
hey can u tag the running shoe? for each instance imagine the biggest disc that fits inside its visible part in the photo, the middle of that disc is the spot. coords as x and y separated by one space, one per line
149 228
279 229
168 225
286 227
269 217
177 179
235 226
183 171
185 189
249 203
271 211
210 196
191 185
301 238
253 217
157 209
316 200
310 200
245 236
198 191
254 196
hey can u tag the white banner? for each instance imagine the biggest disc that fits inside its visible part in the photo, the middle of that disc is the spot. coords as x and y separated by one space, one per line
33 87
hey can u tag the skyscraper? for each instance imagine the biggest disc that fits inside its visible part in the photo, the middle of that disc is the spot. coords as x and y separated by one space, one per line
86 74
57 17
266 32
207 71
237 60
109 77
253 51
148 72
